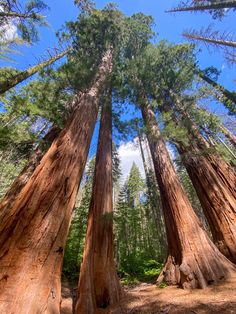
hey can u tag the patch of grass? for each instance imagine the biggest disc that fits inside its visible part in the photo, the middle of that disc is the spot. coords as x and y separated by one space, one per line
147 271
162 285
129 281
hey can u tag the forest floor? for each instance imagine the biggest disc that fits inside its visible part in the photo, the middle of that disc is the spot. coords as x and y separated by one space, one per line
149 299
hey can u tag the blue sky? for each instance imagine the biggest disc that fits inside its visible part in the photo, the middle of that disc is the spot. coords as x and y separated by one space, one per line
168 26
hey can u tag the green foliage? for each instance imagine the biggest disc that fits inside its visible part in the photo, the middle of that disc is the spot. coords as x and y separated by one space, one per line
85 6
134 186
136 253
25 16
10 167
7 73
163 285
91 35
116 168
139 269
175 133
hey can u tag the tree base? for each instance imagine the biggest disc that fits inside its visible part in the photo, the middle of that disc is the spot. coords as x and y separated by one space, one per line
196 272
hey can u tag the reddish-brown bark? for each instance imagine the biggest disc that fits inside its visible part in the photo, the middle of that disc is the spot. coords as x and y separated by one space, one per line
193 260
214 181
31 256
98 284
218 203
224 171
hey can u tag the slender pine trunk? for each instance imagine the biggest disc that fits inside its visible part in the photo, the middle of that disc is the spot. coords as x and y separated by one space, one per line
193 260
22 76
211 40
98 284
11 14
228 4
32 246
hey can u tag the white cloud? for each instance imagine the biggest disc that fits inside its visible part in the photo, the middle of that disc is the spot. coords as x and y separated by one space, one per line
8 31
130 152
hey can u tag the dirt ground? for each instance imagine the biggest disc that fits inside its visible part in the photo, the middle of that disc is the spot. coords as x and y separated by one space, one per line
150 299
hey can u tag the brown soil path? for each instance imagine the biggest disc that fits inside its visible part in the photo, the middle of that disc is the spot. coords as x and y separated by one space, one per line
149 299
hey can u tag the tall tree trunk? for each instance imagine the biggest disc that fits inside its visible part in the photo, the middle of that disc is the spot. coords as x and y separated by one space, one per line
193 260
217 198
218 204
224 171
98 284
22 76
211 40
32 246
228 4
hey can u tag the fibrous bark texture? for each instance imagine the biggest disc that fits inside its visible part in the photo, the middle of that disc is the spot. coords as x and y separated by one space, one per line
214 181
193 260
98 284
218 203
32 251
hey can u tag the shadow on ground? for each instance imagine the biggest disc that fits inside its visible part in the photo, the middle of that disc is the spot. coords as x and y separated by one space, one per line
150 299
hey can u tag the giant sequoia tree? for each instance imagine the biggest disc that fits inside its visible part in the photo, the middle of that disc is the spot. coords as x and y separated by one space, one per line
184 265
189 264
214 183
213 179
110 49
33 234
98 283
32 240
